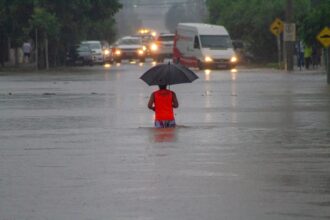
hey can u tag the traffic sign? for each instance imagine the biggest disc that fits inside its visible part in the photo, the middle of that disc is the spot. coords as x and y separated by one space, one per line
277 27
324 37
289 32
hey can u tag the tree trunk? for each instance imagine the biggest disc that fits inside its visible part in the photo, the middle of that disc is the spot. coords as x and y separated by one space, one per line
8 51
2 52
46 53
16 57
36 48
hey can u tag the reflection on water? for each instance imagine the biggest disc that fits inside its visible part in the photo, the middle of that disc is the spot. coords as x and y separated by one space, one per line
256 147
107 65
233 74
160 135
207 74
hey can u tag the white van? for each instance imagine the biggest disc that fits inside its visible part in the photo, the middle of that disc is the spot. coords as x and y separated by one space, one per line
203 46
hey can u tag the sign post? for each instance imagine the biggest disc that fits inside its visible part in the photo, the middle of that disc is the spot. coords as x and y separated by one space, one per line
289 32
289 37
324 38
328 65
277 28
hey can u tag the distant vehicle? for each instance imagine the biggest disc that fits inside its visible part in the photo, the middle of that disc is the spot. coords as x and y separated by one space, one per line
242 51
106 50
147 41
148 37
96 47
79 55
129 48
163 47
203 46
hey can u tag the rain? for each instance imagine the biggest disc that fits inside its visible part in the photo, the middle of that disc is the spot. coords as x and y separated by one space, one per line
78 141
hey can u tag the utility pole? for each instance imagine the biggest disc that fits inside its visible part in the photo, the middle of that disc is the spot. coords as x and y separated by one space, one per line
289 31
326 52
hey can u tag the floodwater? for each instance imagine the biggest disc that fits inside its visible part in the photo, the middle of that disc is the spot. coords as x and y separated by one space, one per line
80 144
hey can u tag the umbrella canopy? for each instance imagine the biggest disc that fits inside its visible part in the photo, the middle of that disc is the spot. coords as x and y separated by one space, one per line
168 74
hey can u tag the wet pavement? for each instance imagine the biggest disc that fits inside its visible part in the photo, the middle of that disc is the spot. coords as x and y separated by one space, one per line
79 144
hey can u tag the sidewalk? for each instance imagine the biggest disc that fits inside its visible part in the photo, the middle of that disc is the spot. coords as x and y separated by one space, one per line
19 67
318 69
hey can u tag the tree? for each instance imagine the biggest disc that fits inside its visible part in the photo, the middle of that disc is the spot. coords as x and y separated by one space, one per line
127 21
250 21
14 18
175 15
60 22
190 11
46 26
314 21
81 20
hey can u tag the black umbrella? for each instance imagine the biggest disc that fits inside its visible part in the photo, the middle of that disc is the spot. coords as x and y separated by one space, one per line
168 74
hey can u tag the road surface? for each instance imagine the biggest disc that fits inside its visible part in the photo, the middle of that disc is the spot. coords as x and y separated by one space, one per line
80 144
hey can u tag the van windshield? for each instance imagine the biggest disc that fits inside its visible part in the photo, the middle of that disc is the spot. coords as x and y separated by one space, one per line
216 41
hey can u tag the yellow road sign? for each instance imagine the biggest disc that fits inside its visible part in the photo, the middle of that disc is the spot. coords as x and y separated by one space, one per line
324 37
277 27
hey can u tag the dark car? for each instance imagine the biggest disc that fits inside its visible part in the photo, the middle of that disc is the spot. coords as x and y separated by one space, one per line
79 55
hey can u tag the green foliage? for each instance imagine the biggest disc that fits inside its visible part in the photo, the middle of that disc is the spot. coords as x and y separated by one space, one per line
314 21
191 11
44 22
175 15
250 21
14 18
62 22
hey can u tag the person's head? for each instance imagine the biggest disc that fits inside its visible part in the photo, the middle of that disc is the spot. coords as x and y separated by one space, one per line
162 86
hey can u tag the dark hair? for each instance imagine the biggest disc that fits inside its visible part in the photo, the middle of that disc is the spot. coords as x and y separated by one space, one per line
162 86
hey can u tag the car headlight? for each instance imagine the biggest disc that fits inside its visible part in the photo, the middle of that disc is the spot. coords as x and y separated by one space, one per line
208 59
144 48
141 52
233 59
117 52
106 52
154 47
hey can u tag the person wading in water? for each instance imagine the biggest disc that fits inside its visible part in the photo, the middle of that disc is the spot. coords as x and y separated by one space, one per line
162 103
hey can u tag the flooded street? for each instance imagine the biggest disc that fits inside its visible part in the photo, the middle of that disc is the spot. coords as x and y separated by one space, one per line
80 144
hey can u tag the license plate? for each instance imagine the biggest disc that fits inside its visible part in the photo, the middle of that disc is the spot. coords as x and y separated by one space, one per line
221 65
129 53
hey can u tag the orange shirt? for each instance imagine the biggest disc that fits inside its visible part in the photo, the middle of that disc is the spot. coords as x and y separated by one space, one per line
163 105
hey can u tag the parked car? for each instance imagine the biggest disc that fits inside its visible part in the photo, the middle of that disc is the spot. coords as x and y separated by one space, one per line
79 55
163 47
96 47
129 48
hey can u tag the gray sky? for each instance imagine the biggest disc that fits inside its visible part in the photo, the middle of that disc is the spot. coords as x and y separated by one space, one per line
151 13
152 17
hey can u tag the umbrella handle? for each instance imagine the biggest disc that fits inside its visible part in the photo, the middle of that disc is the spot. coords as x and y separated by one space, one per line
169 75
